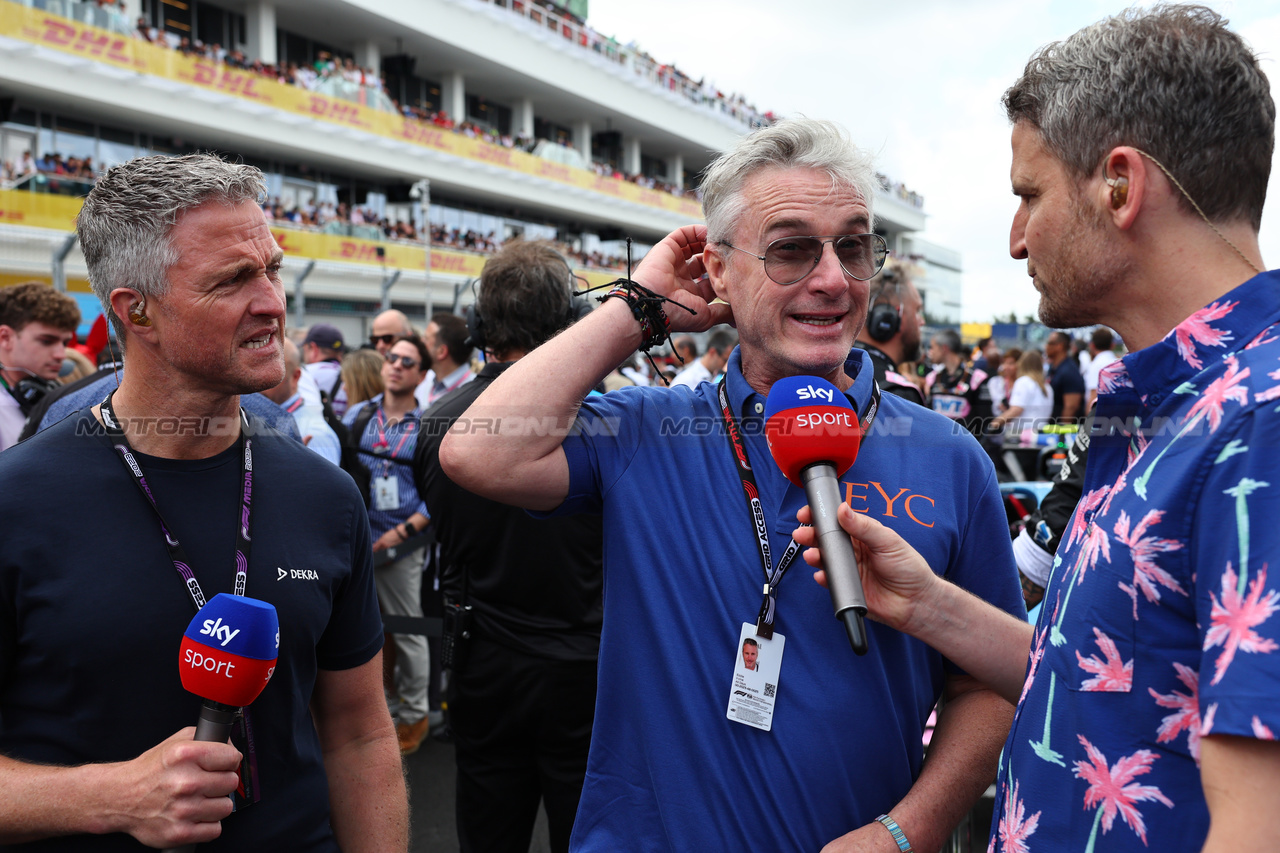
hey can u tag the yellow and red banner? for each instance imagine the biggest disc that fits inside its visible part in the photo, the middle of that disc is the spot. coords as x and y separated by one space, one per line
63 34
57 212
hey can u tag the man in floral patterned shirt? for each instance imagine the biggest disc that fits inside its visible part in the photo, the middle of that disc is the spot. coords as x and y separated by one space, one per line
1147 715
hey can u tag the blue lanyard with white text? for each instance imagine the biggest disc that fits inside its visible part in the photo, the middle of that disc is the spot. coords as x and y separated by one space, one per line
772 574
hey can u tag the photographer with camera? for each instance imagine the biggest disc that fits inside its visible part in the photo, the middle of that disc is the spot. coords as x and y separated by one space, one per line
522 595
36 325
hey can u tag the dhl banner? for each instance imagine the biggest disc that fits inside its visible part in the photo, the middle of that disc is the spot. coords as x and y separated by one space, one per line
37 210
62 34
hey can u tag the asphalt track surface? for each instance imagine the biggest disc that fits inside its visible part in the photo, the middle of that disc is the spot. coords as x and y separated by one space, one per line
432 828
431 780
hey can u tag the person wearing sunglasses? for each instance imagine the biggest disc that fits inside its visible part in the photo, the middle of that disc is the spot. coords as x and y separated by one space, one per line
386 428
388 327
697 557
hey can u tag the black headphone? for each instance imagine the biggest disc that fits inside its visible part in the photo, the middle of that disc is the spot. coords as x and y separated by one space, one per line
579 307
475 326
29 391
885 320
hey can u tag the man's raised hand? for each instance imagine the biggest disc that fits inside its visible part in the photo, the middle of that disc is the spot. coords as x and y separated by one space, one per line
673 268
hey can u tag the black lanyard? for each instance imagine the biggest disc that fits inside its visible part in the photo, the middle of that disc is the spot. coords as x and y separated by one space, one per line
176 554
772 574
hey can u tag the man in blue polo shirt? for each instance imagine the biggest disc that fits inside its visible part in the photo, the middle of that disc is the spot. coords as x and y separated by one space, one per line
1148 692
834 739
388 436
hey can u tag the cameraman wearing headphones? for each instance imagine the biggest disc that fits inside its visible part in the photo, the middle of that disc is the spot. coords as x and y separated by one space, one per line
36 324
891 334
523 604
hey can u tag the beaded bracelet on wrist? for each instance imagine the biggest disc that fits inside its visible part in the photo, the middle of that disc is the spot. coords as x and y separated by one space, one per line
646 307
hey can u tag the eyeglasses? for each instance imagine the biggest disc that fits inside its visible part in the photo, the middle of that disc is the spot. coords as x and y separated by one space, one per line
405 361
789 259
382 339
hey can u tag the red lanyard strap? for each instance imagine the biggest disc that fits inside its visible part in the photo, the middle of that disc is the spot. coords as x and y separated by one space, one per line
772 574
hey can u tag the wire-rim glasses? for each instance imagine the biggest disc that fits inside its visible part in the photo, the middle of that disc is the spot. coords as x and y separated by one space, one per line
789 259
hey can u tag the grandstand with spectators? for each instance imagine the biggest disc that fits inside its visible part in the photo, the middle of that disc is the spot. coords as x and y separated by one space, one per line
401 142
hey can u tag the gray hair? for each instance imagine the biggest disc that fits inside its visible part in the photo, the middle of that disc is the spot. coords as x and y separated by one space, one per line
949 339
128 217
799 143
1172 81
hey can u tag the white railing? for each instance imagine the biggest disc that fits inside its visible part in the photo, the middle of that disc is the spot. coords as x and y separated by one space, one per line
662 76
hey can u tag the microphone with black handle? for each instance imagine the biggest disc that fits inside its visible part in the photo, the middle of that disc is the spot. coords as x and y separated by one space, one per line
814 435
228 655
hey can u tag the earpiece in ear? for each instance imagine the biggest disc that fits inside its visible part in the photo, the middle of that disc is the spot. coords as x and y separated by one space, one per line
138 314
1119 190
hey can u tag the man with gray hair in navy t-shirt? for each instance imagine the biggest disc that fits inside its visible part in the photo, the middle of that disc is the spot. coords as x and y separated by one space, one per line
173 495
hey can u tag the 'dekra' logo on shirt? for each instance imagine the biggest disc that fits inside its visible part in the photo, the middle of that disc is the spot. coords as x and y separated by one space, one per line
296 574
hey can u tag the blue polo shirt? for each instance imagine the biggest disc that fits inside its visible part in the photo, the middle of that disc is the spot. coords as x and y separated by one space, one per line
394 445
1160 622
667 770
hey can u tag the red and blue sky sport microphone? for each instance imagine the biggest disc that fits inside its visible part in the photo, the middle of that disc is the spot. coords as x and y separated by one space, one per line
228 655
814 435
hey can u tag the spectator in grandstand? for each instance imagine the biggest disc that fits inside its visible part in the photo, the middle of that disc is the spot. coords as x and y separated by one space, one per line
322 350
159 234
1064 376
892 332
955 389
36 325
447 339
661 739
362 375
1142 148
317 435
386 429
523 685
1100 355
146 32
387 327
719 346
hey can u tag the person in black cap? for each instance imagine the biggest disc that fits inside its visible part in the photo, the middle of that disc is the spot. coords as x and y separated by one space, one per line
322 351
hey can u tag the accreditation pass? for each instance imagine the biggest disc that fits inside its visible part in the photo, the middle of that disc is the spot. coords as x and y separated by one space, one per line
757 662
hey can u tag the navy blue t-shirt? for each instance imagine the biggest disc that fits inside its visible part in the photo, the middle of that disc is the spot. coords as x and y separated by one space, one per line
1066 379
92 611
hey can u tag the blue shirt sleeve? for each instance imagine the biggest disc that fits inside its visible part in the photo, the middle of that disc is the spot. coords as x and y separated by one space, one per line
1236 554
602 442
